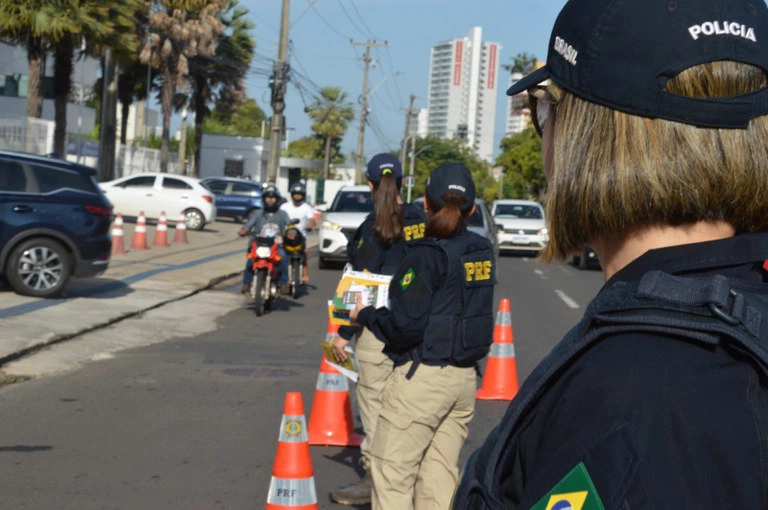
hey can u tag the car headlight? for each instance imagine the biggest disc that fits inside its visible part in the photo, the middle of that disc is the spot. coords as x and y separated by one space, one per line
543 231
263 252
329 225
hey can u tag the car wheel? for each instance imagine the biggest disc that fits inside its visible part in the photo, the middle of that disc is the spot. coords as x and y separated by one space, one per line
38 267
194 219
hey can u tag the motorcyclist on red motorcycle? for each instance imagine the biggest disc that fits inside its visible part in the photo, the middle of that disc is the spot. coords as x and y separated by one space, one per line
267 222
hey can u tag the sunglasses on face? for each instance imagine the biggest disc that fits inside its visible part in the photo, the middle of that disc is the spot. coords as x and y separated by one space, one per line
540 107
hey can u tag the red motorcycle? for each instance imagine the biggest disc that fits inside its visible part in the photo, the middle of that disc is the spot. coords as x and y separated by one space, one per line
265 258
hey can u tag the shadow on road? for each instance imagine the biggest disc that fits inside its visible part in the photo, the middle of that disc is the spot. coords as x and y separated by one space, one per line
97 288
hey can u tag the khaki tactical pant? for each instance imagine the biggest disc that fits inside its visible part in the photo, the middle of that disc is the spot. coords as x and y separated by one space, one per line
419 434
374 368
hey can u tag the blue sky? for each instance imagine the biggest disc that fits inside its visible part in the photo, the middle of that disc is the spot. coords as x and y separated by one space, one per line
321 53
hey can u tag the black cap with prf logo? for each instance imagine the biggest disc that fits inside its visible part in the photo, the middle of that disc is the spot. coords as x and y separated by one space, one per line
451 179
621 53
383 164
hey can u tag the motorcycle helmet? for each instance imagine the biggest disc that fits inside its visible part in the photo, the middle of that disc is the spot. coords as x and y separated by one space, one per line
270 191
299 189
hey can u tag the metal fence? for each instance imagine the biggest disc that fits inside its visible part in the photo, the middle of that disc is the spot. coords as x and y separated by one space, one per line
27 134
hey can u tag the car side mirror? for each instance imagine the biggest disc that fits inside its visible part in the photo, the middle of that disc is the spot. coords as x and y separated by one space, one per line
322 207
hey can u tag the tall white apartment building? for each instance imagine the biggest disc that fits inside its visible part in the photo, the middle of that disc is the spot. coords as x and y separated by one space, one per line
518 114
463 85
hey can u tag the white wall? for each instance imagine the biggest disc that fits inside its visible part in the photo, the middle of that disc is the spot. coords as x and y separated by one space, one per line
216 149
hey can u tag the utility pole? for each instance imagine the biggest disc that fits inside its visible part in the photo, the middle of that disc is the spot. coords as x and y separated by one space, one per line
407 129
278 84
182 168
363 108
411 178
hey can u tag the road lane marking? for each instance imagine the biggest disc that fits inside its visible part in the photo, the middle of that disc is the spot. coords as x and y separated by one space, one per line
565 270
538 272
570 303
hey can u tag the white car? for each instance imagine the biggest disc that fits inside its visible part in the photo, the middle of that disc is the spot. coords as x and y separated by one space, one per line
154 193
349 209
523 225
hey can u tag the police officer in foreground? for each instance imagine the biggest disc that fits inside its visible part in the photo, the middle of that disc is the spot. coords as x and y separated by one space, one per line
439 326
378 246
653 122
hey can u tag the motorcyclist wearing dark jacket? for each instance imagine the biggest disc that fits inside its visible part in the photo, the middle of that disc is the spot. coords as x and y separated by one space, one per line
267 222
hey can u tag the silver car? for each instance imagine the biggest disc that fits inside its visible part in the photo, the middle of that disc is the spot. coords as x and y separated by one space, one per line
523 225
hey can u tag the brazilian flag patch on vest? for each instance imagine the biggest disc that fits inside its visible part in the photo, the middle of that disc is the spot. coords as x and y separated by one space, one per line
574 492
407 279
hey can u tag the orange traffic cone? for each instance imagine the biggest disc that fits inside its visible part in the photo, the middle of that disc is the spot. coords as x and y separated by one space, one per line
332 331
161 232
330 422
500 378
140 234
293 483
118 237
180 235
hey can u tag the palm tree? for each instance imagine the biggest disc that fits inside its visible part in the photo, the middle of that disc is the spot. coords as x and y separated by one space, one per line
521 63
330 113
222 74
181 29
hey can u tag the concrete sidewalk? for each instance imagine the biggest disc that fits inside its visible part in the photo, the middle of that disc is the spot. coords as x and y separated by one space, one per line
135 282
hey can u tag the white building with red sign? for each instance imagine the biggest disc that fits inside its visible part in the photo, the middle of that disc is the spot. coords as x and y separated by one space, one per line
463 87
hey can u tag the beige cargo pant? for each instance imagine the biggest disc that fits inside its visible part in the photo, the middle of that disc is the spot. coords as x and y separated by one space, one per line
421 429
374 368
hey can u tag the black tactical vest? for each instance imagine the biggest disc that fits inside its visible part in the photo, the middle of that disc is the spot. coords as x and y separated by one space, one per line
460 326
711 310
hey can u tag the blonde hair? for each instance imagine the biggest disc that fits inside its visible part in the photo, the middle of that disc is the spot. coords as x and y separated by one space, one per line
614 172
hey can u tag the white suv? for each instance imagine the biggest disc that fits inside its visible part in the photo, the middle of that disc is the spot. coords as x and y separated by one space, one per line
524 228
349 209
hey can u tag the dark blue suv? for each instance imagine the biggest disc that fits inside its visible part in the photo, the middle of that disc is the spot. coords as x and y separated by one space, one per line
54 223
235 198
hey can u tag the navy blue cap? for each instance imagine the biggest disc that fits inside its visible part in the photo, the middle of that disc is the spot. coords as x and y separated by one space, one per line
383 164
454 179
622 53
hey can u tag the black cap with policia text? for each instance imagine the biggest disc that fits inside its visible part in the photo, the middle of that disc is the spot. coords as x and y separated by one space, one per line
451 179
621 53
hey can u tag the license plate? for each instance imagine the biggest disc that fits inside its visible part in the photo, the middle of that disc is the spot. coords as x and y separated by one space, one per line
520 239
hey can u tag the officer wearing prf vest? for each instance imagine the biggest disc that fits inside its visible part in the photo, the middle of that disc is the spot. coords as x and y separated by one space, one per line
439 326
378 246
653 116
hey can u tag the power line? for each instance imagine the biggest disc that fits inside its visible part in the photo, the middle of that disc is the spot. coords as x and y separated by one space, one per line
351 20
346 37
362 19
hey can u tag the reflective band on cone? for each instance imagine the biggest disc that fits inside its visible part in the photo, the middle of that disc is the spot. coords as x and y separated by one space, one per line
500 377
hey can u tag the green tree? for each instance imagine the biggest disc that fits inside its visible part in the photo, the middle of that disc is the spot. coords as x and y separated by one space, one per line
180 30
222 75
331 113
521 63
432 151
307 147
245 120
523 166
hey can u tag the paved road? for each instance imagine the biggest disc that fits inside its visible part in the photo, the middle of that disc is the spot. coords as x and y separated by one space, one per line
190 420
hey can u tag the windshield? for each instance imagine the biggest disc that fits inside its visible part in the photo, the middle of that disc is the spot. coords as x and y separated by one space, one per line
352 201
530 212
